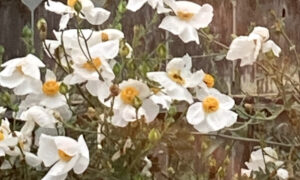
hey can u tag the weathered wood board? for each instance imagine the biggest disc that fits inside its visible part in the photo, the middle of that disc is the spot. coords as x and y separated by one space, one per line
14 15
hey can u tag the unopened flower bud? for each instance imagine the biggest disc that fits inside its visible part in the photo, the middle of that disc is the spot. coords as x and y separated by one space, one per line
114 90
42 27
161 51
154 135
137 102
124 50
172 111
63 88
78 6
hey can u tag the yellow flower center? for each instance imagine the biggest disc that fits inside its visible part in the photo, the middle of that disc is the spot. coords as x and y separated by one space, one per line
210 104
128 94
51 87
209 80
63 156
175 76
183 15
93 65
1 136
104 36
72 3
19 68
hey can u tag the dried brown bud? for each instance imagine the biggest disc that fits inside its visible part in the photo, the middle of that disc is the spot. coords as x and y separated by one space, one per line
114 90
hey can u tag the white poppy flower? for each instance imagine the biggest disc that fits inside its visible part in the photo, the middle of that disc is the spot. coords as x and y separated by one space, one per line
212 113
247 48
43 117
22 74
85 70
63 154
258 159
93 15
49 95
134 5
7 140
124 110
177 78
189 18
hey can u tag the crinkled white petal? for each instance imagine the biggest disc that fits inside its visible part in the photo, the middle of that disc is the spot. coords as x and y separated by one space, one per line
100 89
174 90
57 7
50 76
60 177
51 102
28 86
162 99
62 167
173 25
67 145
84 158
129 113
117 119
47 151
271 46
195 114
134 5
64 20
149 110
182 64
203 17
220 119
32 160
262 32
96 16
240 48
13 81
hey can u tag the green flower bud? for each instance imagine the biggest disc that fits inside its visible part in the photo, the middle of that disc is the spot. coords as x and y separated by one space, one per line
154 135
124 50
63 88
122 7
26 32
137 102
117 69
161 51
78 7
172 111
42 27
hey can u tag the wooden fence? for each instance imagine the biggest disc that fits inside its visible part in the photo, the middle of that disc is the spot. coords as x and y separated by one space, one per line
14 15
228 19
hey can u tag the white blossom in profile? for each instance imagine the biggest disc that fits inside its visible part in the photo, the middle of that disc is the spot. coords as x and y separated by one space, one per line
247 48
